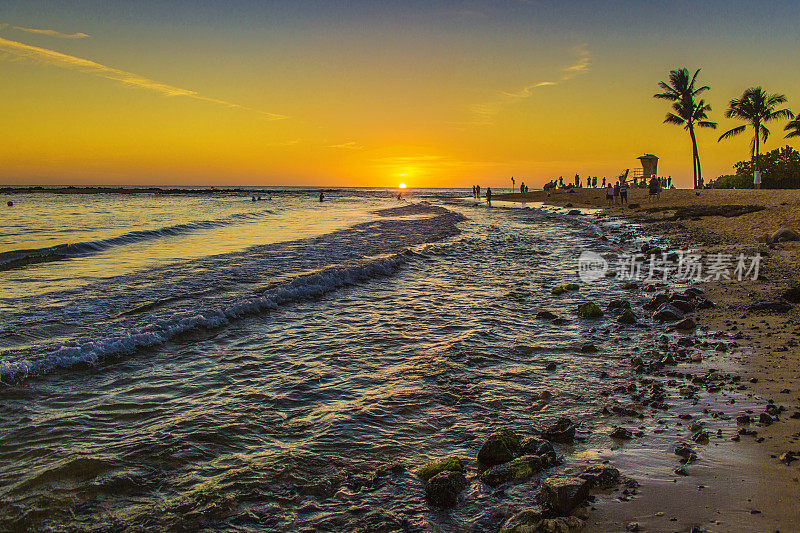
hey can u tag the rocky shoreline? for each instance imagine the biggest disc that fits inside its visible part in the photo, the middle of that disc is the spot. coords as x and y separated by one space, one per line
749 430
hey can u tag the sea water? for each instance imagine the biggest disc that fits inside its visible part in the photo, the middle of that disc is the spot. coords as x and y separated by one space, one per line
204 361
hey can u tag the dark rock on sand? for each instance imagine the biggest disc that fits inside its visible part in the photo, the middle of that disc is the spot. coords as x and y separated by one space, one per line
701 437
517 470
622 433
546 315
588 348
602 476
687 324
685 452
501 447
563 431
564 493
770 305
532 520
443 489
668 313
792 295
783 235
788 457
684 306
447 464
574 212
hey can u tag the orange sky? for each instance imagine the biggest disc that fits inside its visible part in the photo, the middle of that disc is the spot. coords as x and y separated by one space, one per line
372 94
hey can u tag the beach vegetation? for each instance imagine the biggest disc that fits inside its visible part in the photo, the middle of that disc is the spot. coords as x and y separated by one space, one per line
687 110
757 108
780 169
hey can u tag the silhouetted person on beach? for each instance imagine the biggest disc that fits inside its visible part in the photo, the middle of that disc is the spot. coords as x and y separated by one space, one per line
478 188
321 196
623 192
489 196
609 194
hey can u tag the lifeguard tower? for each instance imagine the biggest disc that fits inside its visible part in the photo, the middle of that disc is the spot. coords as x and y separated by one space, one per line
649 166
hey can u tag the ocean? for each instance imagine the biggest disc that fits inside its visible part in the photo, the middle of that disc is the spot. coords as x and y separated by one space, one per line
209 362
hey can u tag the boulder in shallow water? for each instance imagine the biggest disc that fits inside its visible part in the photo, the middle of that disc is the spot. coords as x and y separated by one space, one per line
526 521
619 304
534 446
589 310
563 431
447 464
443 489
657 301
517 470
564 493
668 313
627 317
572 287
501 446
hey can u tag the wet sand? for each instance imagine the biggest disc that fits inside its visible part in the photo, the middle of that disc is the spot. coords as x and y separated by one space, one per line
734 485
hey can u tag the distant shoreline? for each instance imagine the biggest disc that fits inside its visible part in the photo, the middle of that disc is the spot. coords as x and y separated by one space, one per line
141 190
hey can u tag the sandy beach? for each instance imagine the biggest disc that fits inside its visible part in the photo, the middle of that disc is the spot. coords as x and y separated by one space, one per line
742 482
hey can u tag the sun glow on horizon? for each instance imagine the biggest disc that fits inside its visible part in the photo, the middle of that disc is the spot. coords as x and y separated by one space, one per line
401 186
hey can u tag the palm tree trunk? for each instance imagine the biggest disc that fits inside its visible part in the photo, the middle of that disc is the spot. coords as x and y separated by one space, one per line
699 174
695 159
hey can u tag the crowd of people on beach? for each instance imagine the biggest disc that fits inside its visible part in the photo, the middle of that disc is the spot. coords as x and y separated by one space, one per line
615 192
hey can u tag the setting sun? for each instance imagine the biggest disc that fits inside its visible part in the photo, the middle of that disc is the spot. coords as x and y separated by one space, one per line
402 186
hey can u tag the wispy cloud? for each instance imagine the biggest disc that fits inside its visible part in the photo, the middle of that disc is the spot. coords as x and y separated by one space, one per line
351 145
485 112
52 33
16 51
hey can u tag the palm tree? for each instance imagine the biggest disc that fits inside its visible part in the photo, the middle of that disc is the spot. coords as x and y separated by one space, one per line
793 127
756 107
681 91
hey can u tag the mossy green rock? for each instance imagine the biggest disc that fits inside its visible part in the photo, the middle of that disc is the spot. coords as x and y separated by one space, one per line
572 286
523 522
629 286
448 464
501 447
389 469
517 470
558 290
589 310
627 317
655 250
